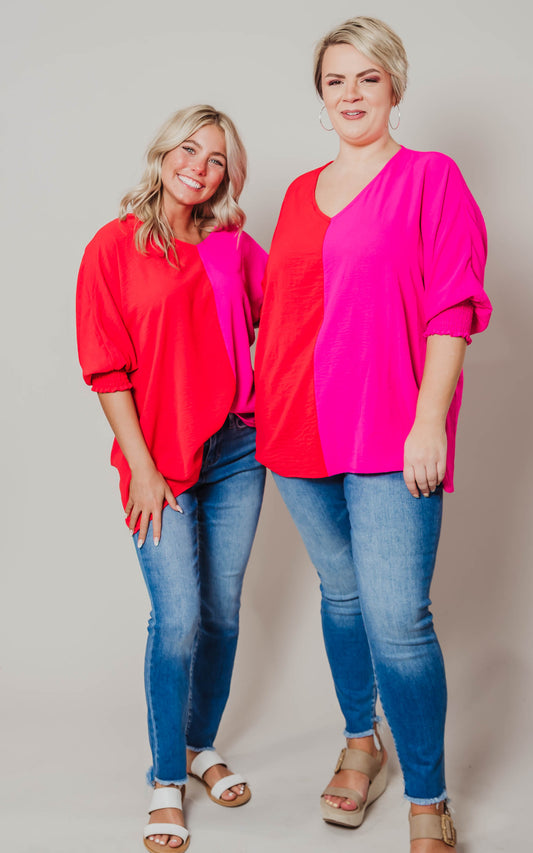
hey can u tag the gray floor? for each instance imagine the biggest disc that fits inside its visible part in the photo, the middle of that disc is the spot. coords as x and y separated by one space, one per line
71 790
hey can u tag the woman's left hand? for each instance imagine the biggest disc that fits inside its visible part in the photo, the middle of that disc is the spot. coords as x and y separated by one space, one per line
424 463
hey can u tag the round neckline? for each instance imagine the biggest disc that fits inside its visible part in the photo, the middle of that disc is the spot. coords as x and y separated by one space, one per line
187 243
359 194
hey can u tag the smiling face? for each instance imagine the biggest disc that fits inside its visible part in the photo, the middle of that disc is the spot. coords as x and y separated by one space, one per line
357 94
192 173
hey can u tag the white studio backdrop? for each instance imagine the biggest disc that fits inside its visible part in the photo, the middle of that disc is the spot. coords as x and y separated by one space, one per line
84 87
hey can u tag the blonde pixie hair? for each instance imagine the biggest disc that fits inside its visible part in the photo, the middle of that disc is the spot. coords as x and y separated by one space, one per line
145 200
377 41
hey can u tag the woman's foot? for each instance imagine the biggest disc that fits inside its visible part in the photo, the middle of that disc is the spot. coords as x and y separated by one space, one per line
167 816
428 845
353 778
214 774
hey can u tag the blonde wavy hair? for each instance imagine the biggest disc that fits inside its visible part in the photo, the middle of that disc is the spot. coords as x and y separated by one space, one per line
145 200
377 41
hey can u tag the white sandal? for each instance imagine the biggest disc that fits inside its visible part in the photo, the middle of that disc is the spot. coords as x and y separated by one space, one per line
202 763
165 798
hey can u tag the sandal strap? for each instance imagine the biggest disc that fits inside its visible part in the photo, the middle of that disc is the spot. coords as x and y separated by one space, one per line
356 759
439 827
204 761
350 794
165 798
166 829
227 782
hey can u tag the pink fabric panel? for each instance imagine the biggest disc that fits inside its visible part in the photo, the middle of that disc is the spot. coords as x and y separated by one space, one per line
231 259
366 370
407 250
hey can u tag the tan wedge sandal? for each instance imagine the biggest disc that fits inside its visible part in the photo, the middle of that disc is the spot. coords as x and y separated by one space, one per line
374 768
437 826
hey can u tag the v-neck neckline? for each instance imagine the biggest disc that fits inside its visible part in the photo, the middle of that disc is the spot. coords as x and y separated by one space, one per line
361 192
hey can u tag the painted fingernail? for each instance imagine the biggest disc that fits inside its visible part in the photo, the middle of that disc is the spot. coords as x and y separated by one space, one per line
180 510
156 541
140 543
131 532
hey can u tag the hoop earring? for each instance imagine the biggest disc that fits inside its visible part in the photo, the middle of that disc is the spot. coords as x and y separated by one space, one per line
397 125
321 122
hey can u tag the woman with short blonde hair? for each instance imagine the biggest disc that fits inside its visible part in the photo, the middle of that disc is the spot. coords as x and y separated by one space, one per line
373 287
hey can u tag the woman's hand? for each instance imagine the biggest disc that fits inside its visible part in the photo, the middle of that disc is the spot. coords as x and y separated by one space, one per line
148 492
148 487
424 463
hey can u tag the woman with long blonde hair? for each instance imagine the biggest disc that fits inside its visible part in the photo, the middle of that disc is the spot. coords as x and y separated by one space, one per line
168 297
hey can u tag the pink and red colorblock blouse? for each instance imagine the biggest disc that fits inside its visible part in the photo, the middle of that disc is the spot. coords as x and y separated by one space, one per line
179 339
349 302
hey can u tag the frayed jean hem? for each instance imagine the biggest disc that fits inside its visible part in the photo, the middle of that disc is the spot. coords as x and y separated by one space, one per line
424 802
201 748
366 733
151 779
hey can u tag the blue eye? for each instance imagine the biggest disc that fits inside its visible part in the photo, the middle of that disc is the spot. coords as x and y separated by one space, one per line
371 80
188 149
334 82
216 162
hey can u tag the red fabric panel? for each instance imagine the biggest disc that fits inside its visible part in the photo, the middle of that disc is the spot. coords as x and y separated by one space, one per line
286 417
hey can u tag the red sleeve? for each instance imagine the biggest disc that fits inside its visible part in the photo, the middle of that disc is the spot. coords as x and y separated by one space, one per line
115 380
105 348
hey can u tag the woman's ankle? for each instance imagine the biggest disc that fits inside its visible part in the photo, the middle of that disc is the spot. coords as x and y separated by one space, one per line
365 744
430 808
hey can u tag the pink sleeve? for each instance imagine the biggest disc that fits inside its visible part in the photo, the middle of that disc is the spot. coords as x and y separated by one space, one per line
454 250
456 322
104 345
254 260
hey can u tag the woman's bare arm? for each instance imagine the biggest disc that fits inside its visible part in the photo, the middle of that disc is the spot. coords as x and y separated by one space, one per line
148 487
426 445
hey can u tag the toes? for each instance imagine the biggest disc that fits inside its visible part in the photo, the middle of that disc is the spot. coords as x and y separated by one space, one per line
166 840
341 803
229 795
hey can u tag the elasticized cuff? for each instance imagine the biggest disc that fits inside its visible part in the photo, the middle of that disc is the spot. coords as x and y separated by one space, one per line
106 383
456 322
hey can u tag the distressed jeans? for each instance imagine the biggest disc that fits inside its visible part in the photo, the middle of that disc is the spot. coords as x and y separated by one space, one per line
194 579
374 546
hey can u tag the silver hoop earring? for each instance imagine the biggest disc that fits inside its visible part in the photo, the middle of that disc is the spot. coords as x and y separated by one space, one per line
397 125
321 122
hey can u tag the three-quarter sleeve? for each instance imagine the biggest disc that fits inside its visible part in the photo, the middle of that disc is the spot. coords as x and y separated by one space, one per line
105 348
254 260
454 242
456 322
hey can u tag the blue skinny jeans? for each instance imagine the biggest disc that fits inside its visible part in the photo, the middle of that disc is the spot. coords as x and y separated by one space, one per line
194 579
374 547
